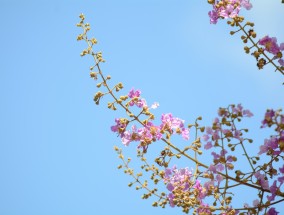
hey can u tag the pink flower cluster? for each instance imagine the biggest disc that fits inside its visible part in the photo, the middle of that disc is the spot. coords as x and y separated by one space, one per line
227 9
183 186
134 95
174 178
180 179
149 132
273 147
270 45
171 124
275 144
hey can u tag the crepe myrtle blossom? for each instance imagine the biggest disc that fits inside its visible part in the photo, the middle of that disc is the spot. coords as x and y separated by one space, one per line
181 179
120 125
270 145
281 178
261 180
227 9
173 124
270 45
272 211
268 118
149 132
204 209
145 135
134 95
175 179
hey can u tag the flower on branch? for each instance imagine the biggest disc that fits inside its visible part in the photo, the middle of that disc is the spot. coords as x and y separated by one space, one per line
227 9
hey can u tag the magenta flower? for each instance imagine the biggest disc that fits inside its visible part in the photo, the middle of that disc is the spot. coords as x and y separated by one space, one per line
261 180
200 190
171 124
272 211
185 133
205 137
214 168
270 44
281 180
120 125
246 4
126 138
213 16
281 62
282 169
268 118
247 113
229 12
208 145
134 93
229 9
273 189
135 98
203 209
180 179
219 178
269 144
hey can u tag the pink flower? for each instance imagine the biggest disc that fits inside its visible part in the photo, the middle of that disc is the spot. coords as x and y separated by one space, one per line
281 62
270 44
203 209
200 190
208 145
247 113
120 125
209 130
281 180
255 203
269 144
268 118
213 16
282 169
185 133
246 4
229 9
219 178
126 139
171 124
229 12
282 46
272 211
205 137
261 179
134 93
273 189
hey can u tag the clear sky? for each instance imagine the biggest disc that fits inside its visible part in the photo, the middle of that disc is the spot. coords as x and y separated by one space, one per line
56 149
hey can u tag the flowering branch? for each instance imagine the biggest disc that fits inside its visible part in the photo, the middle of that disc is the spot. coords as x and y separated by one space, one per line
229 9
207 189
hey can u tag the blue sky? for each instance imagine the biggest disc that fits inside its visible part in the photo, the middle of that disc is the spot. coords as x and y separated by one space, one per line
56 153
